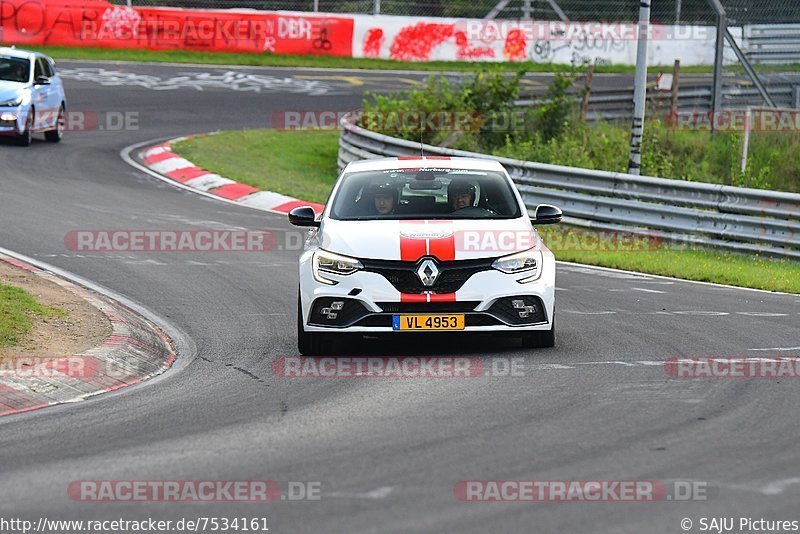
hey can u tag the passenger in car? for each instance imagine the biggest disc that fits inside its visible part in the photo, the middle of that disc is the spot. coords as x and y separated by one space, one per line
460 194
384 197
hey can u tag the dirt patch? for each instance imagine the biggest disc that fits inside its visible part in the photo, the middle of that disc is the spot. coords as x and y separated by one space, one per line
82 328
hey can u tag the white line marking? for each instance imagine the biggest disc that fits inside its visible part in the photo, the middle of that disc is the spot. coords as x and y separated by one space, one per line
762 314
647 290
660 277
777 349
626 364
379 493
701 313
589 313
777 487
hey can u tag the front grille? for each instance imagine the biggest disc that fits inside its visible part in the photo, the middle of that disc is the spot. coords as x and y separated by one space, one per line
529 311
427 307
452 274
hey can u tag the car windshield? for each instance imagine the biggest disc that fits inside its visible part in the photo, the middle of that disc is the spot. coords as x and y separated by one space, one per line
13 69
425 193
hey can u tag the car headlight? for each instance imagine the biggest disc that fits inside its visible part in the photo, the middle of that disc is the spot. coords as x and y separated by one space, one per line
528 262
328 262
22 100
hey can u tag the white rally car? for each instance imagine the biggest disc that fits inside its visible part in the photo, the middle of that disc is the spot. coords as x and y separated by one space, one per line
421 244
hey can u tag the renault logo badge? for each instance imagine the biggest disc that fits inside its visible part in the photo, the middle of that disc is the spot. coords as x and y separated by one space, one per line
427 272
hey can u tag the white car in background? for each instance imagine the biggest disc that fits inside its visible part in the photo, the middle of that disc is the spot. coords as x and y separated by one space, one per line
416 244
32 98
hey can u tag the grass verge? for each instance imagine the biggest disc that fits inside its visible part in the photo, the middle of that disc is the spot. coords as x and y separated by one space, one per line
273 60
17 309
300 164
303 164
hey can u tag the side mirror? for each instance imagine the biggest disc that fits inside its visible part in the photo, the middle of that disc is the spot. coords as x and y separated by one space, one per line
303 216
546 214
42 80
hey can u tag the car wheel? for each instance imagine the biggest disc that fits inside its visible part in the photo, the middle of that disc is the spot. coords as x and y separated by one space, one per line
540 340
54 136
308 343
26 137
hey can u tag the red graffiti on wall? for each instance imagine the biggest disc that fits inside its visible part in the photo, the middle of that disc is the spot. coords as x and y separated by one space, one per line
465 51
418 41
514 49
373 42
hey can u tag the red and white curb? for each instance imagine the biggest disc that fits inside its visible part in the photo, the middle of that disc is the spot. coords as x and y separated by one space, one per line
162 160
135 351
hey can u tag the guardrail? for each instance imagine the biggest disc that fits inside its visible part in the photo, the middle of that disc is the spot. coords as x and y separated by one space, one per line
720 216
772 43
617 104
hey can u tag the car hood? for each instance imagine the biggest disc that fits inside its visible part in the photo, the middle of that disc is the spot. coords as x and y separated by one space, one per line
411 240
9 90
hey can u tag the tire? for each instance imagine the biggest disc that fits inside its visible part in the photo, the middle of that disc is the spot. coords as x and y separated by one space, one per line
54 136
308 343
26 137
540 340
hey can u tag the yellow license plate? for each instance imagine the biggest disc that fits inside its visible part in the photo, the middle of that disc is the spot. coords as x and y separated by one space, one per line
428 322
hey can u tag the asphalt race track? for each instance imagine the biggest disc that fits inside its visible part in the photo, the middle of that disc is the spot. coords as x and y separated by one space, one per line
387 452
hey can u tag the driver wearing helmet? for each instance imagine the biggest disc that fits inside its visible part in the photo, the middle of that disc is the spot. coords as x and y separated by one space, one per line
384 198
460 194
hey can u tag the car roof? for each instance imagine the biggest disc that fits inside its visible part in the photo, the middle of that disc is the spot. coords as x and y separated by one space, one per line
415 162
16 52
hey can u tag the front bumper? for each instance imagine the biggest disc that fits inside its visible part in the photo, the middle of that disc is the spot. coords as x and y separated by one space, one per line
12 121
369 302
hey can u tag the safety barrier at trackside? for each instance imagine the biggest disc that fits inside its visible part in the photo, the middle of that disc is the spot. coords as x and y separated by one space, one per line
732 218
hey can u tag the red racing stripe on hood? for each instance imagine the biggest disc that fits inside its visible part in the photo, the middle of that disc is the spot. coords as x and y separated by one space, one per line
444 248
411 248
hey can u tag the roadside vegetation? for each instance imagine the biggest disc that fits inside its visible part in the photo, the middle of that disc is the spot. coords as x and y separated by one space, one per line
302 164
18 310
551 132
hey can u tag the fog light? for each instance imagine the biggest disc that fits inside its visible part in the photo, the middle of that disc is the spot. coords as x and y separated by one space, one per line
8 117
523 310
330 312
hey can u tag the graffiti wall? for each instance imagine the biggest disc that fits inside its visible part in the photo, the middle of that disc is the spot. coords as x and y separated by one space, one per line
415 39
99 23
